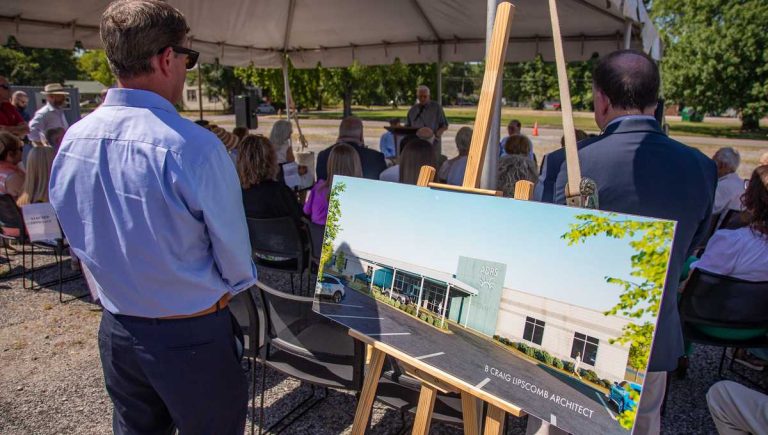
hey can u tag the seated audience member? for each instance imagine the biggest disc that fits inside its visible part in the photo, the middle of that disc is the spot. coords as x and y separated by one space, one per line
452 171
35 188
280 136
730 186
763 159
418 153
580 135
263 196
514 128
736 409
343 160
54 136
742 253
351 133
513 168
387 141
11 176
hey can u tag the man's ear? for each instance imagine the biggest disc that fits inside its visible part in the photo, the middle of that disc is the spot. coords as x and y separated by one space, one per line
162 62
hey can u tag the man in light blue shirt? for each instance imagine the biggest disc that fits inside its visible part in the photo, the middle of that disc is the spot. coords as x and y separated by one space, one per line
152 206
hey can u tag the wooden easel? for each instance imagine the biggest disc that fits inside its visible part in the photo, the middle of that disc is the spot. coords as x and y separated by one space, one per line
432 379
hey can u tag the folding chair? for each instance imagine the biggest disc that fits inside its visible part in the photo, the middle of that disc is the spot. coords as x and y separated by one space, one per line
12 229
712 300
306 346
42 230
243 307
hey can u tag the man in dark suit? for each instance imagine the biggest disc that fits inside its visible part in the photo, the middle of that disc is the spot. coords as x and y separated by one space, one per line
351 132
550 169
639 170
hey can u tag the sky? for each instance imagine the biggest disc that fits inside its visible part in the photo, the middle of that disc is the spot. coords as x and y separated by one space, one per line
432 228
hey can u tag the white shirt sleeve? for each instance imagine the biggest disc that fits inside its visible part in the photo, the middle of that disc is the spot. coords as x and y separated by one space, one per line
720 255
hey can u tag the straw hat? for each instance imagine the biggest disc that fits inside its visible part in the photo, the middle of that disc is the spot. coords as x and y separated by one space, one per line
54 89
228 139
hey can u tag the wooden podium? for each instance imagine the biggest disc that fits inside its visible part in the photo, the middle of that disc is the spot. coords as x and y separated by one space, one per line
399 133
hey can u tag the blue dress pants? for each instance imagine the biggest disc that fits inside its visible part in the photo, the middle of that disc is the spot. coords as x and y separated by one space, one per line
180 374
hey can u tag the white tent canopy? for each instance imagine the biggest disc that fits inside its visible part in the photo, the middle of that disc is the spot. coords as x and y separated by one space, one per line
340 32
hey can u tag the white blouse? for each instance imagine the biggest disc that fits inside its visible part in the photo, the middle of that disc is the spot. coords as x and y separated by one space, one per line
740 253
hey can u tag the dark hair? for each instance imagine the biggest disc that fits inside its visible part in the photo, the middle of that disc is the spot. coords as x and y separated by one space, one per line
517 144
629 78
416 154
755 200
240 132
9 143
134 31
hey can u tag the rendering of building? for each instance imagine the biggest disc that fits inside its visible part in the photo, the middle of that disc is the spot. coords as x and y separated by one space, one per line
474 296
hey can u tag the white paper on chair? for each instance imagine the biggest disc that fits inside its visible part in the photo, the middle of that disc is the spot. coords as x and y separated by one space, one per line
40 220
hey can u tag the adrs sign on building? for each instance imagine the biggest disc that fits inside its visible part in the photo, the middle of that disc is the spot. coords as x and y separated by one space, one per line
479 312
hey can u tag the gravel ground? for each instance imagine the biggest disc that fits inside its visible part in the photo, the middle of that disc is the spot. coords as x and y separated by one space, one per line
51 380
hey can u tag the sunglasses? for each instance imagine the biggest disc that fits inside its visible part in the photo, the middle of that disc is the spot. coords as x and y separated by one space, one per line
192 55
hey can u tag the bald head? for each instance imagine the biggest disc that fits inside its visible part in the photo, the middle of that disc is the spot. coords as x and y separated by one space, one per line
629 78
626 82
351 130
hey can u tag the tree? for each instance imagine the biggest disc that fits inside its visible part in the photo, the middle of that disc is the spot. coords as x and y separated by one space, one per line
332 226
37 66
538 82
649 264
716 55
94 64
17 66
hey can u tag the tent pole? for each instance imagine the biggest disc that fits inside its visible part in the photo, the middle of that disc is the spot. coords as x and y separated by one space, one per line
488 179
200 90
439 143
286 87
628 35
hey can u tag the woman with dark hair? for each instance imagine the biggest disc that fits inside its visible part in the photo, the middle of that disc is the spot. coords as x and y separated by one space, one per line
263 196
743 253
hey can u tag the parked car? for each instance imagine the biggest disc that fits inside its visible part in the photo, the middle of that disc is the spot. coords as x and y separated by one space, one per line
266 109
330 286
620 395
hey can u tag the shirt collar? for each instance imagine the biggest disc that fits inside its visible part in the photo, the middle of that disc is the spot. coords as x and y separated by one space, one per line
733 175
622 118
137 98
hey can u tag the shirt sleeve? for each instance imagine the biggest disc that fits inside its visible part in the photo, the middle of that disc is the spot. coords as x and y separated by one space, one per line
37 127
721 254
220 200
442 122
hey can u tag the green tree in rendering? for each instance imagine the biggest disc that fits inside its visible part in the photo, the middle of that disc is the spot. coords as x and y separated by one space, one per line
332 226
649 265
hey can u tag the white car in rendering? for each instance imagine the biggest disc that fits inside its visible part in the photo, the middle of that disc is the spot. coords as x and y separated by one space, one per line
331 287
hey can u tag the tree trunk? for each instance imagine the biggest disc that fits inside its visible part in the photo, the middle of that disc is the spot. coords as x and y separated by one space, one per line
347 100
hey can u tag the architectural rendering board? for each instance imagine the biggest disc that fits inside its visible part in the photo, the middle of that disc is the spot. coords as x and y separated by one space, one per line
549 308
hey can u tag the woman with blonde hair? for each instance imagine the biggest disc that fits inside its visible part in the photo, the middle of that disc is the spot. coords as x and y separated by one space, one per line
35 187
343 160
263 196
280 136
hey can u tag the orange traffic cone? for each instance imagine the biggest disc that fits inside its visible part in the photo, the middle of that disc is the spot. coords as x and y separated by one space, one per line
535 129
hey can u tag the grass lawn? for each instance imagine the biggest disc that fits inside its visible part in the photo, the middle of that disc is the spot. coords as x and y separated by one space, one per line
582 120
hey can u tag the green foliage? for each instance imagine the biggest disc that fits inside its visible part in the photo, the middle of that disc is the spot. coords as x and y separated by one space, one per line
37 66
94 64
531 352
590 376
332 226
539 82
340 260
557 363
651 241
716 55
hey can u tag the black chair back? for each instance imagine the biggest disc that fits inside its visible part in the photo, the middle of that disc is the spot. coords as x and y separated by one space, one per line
291 322
735 219
278 237
715 300
316 234
10 215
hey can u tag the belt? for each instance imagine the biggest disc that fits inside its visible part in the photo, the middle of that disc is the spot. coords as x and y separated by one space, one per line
219 305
